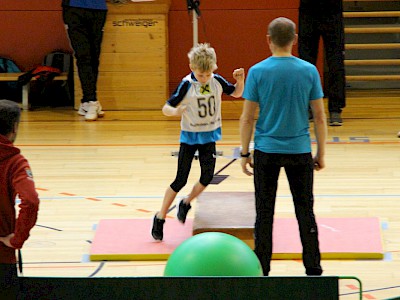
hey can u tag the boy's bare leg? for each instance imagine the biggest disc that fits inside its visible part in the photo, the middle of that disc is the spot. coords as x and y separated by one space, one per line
197 189
169 197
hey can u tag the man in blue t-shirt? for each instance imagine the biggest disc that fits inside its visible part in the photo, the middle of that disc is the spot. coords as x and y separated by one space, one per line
283 87
84 21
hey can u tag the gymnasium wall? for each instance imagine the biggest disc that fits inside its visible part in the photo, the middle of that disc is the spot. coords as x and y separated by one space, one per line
31 29
236 28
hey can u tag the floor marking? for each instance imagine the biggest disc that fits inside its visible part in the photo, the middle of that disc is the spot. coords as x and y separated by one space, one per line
47 227
387 256
98 269
352 287
385 225
373 290
227 165
93 199
67 194
99 198
85 258
335 141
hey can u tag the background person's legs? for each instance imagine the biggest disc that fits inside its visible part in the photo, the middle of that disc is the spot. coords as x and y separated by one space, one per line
9 285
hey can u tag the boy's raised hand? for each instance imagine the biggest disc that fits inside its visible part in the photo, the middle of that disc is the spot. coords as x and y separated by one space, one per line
238 74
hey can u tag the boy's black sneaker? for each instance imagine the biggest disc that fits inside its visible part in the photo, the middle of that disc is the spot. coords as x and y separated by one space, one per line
183 210
158 227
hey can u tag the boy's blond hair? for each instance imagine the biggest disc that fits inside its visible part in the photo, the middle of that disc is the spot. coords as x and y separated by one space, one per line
203 58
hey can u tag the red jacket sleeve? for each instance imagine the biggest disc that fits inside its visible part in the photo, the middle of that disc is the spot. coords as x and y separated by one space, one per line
25 187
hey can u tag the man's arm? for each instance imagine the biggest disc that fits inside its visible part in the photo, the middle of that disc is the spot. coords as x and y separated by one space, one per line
320 129
246 132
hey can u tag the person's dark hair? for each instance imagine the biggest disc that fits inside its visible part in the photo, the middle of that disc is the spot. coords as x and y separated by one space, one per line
10 113
282 31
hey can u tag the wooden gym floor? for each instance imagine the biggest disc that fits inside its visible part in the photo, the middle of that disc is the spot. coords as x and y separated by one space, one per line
120 166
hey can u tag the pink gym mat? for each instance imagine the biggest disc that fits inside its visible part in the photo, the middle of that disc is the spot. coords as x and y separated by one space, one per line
130 239
340 238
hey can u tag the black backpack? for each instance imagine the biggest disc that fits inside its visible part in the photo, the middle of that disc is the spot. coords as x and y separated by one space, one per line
9 90
45 91
58 59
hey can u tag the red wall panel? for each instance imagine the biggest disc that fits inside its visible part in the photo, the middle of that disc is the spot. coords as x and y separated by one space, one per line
238 36
30 5
31 29
235 28
238 4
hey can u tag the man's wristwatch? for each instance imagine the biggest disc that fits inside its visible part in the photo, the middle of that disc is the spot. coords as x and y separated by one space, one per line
245 155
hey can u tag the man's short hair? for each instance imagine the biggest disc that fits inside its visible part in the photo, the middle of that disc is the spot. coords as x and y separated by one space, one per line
10 113
282 31
203 58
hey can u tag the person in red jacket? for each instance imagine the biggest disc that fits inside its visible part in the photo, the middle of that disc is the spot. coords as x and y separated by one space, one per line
15 179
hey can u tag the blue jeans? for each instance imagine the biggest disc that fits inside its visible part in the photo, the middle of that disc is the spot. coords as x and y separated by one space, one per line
299 170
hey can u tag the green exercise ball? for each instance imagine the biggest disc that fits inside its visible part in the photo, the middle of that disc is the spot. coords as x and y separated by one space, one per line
213 254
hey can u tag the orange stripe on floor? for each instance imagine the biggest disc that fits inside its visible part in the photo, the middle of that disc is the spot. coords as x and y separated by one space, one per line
352 287
298 260
67 194
93 199
118 204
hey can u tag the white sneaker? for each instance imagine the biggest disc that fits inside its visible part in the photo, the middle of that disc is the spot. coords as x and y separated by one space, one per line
84 107
92 112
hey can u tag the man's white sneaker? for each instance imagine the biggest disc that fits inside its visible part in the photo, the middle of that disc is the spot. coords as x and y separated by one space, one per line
84 107
92 112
